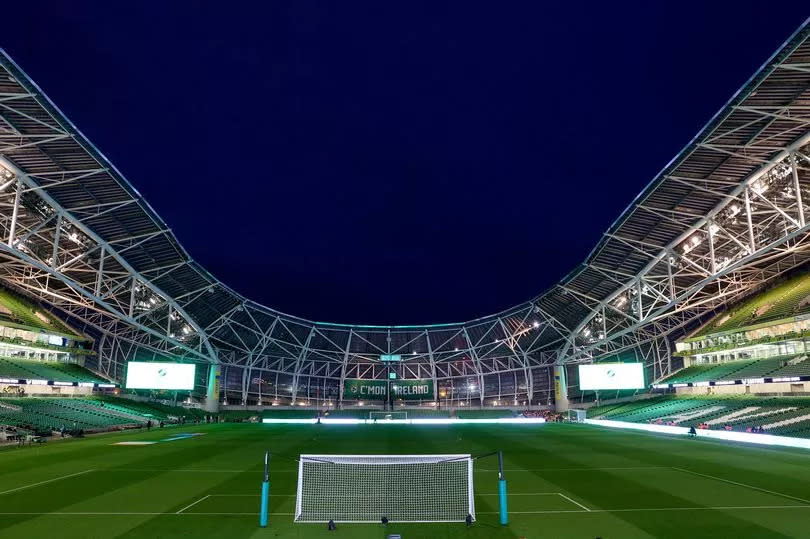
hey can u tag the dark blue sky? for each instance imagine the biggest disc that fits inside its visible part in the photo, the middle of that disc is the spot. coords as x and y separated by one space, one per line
392 163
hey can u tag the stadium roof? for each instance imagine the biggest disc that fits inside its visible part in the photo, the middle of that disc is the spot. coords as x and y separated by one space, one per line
768 114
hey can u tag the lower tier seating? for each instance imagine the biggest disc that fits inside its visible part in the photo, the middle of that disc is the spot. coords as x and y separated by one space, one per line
783 416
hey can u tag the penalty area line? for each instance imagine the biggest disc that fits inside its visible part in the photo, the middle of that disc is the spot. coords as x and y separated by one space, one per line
574 501
193 504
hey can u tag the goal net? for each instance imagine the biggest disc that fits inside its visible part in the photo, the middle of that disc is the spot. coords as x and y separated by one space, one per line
388 415
402 488
577 415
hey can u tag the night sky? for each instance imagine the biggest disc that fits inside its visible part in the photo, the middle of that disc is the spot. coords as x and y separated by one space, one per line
392 163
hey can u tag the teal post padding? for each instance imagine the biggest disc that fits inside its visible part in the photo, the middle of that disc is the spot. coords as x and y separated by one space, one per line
502 499
265 496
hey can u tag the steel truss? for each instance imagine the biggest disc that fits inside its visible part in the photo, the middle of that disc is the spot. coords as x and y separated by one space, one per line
50 252
758 232
304 351
732 218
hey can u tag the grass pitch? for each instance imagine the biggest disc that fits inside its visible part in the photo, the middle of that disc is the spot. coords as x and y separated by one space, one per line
564 481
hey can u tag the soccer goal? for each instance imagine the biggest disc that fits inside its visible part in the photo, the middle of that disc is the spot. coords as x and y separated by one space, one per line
577 415
402 488
387 415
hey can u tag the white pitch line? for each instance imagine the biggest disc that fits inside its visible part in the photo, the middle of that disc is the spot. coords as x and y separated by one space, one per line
523 494
742 485
480 494
574 501
45 482
252 514
193 504
171 470
642 509
102 513
254 495
580 469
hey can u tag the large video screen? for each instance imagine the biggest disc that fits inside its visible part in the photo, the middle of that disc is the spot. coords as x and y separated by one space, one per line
153 375
611 376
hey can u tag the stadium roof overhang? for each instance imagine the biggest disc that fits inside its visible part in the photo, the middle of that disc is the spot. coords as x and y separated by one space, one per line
725 214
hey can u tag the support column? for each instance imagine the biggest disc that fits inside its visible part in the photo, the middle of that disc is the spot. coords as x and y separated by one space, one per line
560 389
797 188
15 213
212 390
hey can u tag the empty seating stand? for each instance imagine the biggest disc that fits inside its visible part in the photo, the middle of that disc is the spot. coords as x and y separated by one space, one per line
782 301
782 416
46 370
779 366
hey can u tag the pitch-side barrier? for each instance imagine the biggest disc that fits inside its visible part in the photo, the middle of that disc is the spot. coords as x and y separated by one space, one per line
414 421
728 435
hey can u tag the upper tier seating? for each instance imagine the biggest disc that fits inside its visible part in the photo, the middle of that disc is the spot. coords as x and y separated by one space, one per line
743 369
46 370
784 300
19 310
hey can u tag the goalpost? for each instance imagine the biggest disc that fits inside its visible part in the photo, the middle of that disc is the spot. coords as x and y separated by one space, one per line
402 488
387 415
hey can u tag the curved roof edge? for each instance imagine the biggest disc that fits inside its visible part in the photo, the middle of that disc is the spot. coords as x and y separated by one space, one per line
189 276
